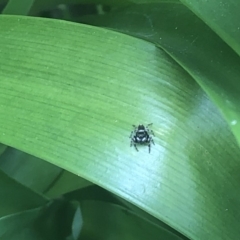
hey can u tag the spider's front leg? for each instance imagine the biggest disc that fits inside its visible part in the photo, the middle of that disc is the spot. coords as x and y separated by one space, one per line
151 140
151 131
135 146
149 145
133 132
131 135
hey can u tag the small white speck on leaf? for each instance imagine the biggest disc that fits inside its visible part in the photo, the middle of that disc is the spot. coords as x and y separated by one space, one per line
233 122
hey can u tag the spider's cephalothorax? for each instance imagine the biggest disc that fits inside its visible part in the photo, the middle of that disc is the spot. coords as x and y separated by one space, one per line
142 135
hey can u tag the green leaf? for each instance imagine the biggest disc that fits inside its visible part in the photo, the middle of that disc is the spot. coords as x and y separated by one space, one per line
28 170
49 222
38 175
92 192
15 198
60 220
108 221
96 193
191 43
73 92
17 226
2 149
65 183
15 7
222 16
46 4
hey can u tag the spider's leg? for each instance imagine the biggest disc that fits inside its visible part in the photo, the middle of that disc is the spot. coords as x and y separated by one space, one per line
149 147
135 146
131 134
152 141
131 143
151 131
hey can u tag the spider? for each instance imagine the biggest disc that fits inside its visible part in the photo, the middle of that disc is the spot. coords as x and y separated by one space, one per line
142 135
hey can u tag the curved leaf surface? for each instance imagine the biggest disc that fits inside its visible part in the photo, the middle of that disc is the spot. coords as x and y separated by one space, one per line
30 171
15 7
65 183
73 91
97 194
2 148
15 197
222 16
174 28
38 175
52 221
108 221
17 226
46 4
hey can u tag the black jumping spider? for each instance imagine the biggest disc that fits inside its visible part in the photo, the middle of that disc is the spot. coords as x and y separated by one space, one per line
142 135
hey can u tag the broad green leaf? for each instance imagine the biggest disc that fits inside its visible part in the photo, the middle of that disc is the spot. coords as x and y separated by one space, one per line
65 183
2 149
46 4
81 90
148 217
38 175
49 222
153 1
222 16
16 7
15 197
96 193
17 226
108 221
53 222
30 171
209 60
